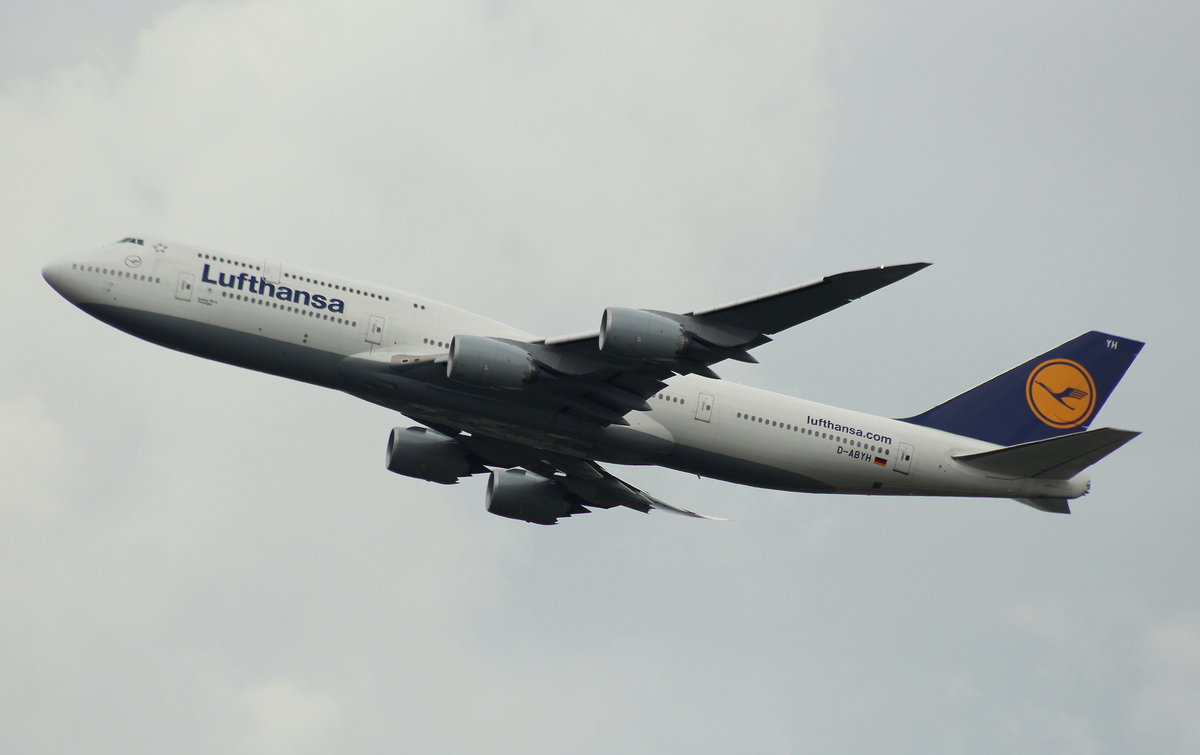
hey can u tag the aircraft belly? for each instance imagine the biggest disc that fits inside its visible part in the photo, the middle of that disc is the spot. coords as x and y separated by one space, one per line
743 471
249 350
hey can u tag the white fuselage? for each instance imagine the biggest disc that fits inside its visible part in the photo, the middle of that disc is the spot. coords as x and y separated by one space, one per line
303 324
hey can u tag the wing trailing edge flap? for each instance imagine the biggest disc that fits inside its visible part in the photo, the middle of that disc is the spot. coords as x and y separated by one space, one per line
1058 458
670 509
608 491
589 483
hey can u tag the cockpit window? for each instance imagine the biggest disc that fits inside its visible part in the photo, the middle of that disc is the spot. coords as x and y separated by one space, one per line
131 240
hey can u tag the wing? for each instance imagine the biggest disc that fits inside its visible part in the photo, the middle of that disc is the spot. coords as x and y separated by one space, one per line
614 370
730 331
596 377
601 376
781 310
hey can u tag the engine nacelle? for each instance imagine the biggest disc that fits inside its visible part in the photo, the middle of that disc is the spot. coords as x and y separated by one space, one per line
518 494
427 455
489 363
639 334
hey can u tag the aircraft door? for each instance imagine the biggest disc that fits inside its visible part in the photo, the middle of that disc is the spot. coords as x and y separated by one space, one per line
187 282
704 407
904 457
375 330
272 270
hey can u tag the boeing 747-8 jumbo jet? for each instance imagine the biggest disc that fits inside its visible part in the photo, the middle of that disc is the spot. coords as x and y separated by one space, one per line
540 414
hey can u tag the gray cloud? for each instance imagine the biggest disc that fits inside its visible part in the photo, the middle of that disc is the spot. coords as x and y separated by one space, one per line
203 559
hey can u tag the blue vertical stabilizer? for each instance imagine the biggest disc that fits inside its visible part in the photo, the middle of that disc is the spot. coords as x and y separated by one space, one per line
1057 393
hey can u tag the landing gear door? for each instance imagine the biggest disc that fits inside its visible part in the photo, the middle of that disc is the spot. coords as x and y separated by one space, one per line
187 282
375 330
704 407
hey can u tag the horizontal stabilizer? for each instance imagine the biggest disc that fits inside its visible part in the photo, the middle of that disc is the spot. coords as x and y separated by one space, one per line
1058 458
1052 505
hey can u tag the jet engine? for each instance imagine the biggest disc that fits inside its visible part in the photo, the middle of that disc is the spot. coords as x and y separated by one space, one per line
641 334
428 455
490 363
517 494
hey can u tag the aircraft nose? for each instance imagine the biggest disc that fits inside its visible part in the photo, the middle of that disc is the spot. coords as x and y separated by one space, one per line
65 277
55 275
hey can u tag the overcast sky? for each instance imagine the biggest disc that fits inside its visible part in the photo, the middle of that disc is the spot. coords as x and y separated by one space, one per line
195 558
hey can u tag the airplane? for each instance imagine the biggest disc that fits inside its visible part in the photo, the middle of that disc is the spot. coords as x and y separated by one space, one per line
540 415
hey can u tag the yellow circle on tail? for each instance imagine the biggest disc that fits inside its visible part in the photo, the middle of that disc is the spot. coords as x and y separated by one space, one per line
1061 393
